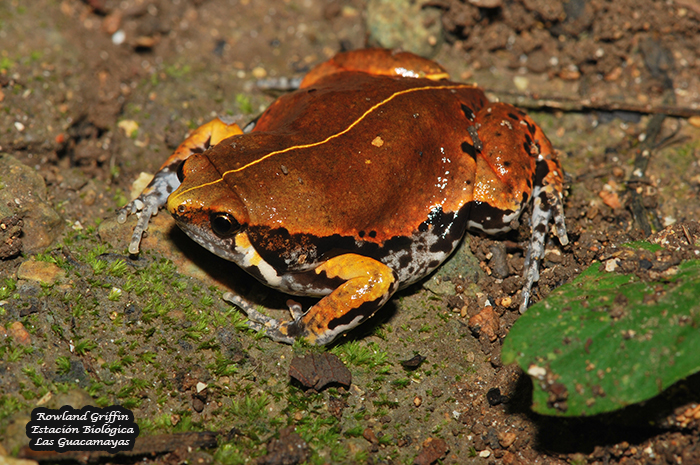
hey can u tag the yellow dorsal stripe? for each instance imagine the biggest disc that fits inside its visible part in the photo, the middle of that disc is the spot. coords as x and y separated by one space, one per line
331 137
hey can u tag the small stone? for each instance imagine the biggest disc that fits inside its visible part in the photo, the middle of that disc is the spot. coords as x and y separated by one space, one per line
369 435
521 83
129 126
318 370
506 439
433 450
19 333
118 37
486 322
197 404
44 272
417 401
259 72
611 265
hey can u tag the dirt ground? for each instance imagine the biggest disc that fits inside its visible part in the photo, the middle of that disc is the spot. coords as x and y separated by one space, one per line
94 92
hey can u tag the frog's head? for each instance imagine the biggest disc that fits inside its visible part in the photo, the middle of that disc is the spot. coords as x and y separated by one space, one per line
206 208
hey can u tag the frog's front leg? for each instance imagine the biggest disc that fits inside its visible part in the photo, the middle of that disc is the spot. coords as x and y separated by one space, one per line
165 181
368 284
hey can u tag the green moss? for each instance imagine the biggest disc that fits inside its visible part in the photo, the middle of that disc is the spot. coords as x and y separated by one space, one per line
8 287
31 373
362 354
244 104
83 346
401 383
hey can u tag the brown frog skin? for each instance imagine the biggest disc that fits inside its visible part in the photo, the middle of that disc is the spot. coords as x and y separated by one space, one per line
359 183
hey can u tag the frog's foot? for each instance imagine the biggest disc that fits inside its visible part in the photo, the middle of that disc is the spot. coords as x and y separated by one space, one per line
368 285
165 181
148 203
547 204
277 330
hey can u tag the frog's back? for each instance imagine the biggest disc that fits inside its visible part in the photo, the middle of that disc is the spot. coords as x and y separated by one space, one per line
379 162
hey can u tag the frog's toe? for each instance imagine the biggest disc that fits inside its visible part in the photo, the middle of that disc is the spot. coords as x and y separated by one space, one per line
295 309
275 329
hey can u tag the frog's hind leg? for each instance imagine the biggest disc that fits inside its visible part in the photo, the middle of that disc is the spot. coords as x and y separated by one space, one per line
368 284
165 181
547 205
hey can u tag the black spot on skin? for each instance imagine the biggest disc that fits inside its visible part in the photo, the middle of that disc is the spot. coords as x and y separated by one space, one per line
499 134
525 197
531 128
541 171
469 182
440 246
310 91
294 330
373 234
433 264
405 260
513 116
529 183
366 310
467 112
488 216
361 234
526 146
469 150
506 164
541 228
546 204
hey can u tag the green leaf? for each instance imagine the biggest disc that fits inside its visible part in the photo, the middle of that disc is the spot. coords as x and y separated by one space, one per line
608 340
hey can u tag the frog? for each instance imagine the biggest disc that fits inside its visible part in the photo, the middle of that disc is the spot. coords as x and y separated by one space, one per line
358 184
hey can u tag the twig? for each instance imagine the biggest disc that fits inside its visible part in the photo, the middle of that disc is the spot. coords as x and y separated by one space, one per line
534 101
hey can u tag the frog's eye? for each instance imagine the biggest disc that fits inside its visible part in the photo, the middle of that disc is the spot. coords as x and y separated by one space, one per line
180 172
224 224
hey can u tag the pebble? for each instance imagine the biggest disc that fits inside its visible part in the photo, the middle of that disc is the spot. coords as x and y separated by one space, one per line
259 72
506 439
118 37
19 333
44 272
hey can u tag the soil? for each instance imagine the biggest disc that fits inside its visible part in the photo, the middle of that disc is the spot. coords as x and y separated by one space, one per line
93 93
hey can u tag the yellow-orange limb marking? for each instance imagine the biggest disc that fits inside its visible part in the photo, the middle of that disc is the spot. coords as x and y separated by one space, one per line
367 281
202 138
